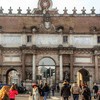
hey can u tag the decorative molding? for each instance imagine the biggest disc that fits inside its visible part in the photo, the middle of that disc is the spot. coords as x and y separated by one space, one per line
11 51
66 52
84 51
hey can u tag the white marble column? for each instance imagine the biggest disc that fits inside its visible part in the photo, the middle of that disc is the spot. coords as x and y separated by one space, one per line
33 69
61 68
96 69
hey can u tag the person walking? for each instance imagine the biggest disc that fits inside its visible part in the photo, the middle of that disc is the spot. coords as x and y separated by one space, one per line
58 88
95 90
75 91
53 89
13 92
65 90
86 93
35 92
46 90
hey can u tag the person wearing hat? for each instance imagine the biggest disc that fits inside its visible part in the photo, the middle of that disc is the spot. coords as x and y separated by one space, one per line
35 92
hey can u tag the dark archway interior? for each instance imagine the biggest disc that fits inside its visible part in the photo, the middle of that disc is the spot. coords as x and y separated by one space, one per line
85 75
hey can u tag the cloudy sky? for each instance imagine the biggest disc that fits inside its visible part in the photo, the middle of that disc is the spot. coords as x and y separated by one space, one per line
60 4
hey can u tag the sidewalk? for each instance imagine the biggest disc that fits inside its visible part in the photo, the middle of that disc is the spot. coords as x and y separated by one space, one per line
56 97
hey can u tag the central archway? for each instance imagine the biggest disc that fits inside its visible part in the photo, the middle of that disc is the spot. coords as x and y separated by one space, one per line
46 71
83 77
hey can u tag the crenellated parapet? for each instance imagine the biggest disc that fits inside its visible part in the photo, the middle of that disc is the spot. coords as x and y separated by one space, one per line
53 12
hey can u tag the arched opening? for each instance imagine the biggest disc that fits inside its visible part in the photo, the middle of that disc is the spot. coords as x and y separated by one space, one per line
12 76
83 77
46 71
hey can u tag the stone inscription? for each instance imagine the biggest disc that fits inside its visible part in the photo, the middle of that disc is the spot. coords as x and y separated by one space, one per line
48 40
11 40
83 60
82 40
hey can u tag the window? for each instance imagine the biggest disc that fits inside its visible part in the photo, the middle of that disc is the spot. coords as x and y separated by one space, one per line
65 39
29 38
98 39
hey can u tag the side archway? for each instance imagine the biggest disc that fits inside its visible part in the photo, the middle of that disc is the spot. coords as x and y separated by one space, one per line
83 77
12 76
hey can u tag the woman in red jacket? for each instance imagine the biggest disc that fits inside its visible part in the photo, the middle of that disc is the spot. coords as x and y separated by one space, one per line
12 92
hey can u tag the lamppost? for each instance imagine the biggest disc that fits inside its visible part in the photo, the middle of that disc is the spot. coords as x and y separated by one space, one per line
91 82
46 74
50 76
75 78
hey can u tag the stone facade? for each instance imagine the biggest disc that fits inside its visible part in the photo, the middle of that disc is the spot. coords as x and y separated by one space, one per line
25 39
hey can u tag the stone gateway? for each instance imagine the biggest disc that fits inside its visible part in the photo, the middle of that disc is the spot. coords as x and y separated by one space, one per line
45 46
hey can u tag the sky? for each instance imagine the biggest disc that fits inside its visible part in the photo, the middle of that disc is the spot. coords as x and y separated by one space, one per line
60 4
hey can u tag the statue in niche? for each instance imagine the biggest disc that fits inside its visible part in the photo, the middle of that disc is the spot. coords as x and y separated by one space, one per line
28 75
66 76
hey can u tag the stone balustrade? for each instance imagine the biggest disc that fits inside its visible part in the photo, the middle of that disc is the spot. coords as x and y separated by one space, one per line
54 11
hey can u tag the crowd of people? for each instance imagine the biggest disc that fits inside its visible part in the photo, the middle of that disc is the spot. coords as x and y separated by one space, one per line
76 91
43 90
66 91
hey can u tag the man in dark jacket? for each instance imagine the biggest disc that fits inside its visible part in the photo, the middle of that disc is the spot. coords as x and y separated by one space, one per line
65 90
46 90
86 92
95 90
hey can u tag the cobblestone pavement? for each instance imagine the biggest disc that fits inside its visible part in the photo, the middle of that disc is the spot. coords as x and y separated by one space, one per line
56 97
